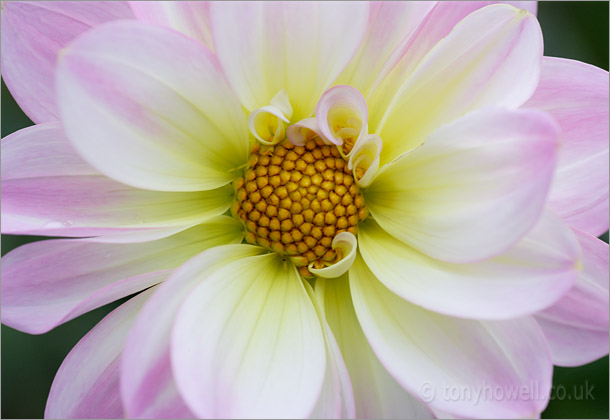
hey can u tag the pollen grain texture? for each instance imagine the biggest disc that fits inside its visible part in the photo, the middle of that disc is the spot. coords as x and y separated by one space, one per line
293 200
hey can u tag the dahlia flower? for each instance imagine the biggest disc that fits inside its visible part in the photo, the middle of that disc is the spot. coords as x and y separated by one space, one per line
326 209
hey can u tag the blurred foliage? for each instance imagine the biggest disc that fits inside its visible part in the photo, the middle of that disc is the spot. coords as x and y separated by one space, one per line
577 30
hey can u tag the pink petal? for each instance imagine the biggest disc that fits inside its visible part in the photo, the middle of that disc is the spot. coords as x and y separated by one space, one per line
189 17
528 277
491 58
147 385
473 189
576 95
48 189
247 342
576 327
33 32
432 355
48 283
150 108
87 382
301 47
530 6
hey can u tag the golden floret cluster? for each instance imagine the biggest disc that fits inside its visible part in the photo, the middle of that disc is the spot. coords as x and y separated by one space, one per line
295 199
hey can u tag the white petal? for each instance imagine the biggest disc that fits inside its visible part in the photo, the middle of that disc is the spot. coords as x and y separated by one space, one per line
301 47
247 342
434 356
336 398
528 277
147 384
473 189
377 395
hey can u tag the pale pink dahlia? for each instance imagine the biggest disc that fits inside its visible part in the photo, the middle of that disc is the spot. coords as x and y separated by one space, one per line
329 209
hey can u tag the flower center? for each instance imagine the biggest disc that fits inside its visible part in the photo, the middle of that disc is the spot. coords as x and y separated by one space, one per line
295 199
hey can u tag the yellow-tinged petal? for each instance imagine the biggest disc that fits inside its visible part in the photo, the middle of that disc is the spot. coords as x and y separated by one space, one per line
268 124
247 342
391 26
364 159
346 243
297 46
336 398
377 394
525 279
429 353
491 58
342 117
148 349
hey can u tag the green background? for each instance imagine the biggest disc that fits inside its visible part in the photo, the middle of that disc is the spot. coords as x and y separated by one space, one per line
577 30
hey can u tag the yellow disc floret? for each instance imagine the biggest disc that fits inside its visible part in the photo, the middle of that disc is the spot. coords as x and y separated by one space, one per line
295 199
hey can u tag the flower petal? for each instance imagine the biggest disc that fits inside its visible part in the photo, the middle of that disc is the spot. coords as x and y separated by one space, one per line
491 58
342 116
150 108
377 394
48 283
576 95
527 278
47 189
87 383
433 355
268 124
247 342
264 47
435 25
33 32
530 6
391 25
336 398
347 244
576 327
304 130
472 189
364 159
147 385
189 17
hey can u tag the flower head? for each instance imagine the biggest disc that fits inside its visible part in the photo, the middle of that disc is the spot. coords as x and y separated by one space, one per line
329 209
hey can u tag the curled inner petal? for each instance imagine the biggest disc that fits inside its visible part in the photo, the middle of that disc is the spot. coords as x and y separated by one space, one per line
364 159
344 245
306 129
268 124
342 117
